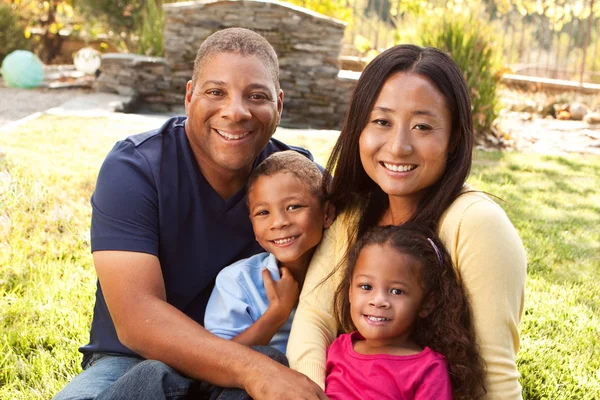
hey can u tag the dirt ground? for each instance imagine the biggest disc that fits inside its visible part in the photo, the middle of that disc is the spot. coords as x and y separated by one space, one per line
526 133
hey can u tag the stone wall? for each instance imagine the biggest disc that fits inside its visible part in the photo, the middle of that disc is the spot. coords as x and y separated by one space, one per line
308 46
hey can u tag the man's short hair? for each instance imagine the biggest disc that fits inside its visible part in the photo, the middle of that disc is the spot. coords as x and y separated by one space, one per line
238 41
291 162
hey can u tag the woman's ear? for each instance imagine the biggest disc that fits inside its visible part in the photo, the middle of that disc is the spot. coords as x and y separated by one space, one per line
329 209
426 307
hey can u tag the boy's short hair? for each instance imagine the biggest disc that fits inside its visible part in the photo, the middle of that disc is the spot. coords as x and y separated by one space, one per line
237 41
291 162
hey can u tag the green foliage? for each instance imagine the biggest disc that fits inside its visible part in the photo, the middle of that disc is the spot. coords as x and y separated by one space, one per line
150 25
337 9
12 35
472 48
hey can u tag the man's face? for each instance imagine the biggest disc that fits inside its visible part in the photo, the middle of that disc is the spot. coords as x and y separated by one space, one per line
232 112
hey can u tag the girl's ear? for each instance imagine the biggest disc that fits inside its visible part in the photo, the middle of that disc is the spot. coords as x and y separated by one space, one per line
426 307
329 209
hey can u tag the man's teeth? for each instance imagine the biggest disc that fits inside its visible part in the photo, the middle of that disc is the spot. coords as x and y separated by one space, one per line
399 168
229 136
285 240
377 319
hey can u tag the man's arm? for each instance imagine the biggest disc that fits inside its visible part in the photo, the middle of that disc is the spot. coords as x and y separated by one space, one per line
134 291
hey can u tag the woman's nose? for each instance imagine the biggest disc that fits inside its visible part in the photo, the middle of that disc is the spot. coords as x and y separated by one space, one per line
401 143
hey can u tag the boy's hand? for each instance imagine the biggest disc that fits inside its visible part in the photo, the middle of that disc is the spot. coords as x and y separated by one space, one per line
282 294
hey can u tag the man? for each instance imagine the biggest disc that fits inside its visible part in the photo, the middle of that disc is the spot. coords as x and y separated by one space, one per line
169 212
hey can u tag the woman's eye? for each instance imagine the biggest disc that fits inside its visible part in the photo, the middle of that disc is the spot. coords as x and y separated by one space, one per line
381 122
422 127
365 287
397 291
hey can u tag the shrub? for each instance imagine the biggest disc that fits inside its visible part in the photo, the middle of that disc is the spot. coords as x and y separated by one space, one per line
471 46
11 33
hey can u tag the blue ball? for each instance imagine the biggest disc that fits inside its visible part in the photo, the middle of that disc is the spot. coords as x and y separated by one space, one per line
22 69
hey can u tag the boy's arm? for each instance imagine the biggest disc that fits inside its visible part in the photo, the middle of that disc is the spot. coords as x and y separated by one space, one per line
282 296
228 313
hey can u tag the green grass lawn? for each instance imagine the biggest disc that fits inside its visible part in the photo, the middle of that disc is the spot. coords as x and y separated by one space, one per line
47 280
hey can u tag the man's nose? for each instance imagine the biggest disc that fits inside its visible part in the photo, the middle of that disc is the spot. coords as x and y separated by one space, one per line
236 109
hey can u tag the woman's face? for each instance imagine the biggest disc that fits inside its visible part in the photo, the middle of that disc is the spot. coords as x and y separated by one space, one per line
403 147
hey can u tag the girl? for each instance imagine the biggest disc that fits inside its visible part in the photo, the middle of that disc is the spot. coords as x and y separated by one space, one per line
401 297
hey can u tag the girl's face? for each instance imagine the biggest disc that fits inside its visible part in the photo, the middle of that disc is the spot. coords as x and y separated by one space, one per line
404 145
386 296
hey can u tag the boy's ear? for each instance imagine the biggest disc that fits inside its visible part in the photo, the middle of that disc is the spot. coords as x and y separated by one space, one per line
426 307
329 209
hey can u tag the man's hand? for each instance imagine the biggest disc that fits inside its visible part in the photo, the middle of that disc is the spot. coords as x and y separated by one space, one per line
281 383
282 295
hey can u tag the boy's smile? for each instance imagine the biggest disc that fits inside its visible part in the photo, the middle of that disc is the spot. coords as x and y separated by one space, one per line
288 219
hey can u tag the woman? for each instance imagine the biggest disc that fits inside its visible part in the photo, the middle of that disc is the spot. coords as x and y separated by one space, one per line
403 155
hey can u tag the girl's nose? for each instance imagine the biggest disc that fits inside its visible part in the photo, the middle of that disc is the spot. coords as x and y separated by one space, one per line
379 300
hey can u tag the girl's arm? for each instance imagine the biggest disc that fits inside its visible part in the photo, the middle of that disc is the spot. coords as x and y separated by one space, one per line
489 256
314 327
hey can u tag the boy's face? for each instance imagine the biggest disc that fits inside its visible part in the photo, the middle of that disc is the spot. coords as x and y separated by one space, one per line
288 219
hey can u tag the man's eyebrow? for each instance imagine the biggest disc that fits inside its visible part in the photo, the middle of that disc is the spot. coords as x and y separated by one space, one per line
212 82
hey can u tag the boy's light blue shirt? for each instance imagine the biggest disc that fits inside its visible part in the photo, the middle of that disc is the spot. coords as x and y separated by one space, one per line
239 299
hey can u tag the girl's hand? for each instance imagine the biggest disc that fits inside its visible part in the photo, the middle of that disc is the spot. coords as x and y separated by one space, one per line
282 295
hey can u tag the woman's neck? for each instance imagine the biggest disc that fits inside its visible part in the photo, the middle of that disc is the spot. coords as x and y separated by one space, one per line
399 211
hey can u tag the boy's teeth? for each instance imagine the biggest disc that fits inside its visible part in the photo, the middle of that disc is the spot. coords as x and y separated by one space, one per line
376 319
399 168
229 136
284 241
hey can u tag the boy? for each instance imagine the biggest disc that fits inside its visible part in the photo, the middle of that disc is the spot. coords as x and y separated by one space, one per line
254 299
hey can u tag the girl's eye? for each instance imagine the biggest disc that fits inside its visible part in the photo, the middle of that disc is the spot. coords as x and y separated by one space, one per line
397 291
365 287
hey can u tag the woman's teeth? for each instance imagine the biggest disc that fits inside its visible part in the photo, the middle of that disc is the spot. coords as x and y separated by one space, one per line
399 168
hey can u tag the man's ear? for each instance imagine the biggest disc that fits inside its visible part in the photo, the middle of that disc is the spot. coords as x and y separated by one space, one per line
329 209
189 90
427 307
279 105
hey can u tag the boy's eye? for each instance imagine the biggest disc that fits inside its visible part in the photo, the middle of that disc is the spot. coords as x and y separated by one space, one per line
397 291
261 212
293 207
365 286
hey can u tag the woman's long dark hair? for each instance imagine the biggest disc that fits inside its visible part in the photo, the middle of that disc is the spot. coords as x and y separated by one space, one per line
448 329
351 184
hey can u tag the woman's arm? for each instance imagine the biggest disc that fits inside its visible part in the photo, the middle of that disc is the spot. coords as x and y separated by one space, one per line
491 262
314 326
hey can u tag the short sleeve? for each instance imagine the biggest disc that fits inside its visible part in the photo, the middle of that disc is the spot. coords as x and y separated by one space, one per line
125 203
228 312
435 383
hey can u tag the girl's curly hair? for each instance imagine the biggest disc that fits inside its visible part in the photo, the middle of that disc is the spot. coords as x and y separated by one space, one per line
448 329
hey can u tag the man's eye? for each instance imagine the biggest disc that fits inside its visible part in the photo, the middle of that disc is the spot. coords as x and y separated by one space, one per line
397 291
258 96
214 92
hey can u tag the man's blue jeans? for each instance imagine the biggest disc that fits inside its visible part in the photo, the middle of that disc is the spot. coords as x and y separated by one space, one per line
113 376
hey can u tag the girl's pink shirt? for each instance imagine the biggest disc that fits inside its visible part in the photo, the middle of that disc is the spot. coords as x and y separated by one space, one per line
351 375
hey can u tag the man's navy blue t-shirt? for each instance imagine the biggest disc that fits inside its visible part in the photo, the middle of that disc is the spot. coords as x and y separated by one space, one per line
151 197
